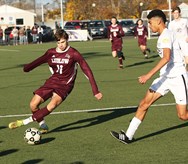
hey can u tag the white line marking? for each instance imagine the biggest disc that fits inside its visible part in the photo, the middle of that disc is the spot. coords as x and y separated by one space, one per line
87 110
9 50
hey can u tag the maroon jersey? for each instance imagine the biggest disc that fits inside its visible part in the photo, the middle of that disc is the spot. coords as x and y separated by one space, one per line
64 66
141 33
115 32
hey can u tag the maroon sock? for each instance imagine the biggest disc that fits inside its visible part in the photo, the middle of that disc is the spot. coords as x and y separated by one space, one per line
39 120
40 114
120 61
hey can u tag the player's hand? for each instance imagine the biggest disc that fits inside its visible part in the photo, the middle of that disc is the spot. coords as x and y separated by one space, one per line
98 96
143 79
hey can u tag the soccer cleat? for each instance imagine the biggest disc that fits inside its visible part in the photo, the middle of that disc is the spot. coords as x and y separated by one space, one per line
43 129
146 57
121 137
16 124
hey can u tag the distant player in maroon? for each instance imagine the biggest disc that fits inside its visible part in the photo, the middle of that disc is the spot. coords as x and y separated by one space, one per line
141 33
115 34
63 62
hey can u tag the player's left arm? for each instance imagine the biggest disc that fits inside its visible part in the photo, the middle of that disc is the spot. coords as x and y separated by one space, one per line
89 75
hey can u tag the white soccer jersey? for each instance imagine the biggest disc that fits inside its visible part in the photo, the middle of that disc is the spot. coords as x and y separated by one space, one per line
175 66
179 28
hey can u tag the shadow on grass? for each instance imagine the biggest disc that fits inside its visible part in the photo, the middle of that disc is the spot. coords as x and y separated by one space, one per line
77 162
7 152
94 55
140 63
3 127
32 161
114 113
13 67
162 131
46 140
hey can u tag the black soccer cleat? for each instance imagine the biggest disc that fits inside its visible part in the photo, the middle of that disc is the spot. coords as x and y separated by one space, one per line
121 137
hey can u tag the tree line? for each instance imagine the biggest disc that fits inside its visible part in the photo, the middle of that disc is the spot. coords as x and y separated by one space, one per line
95 9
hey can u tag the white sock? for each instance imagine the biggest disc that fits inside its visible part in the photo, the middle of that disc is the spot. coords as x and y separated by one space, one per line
42 122
27 120
133 126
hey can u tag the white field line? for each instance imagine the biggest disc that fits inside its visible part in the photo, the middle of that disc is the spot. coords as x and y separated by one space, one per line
87 110
9 50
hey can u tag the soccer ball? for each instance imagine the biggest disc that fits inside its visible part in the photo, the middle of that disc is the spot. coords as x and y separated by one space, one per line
32 136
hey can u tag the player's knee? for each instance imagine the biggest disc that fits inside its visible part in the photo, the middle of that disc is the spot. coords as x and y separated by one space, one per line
33 107
51 107
114 54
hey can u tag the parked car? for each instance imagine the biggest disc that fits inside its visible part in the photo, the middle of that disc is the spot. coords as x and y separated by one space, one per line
48 34
128 26
97 28
107 22
85 24
73 25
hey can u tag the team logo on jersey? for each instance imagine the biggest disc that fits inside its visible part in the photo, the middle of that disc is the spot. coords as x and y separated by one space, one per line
67 56
165 40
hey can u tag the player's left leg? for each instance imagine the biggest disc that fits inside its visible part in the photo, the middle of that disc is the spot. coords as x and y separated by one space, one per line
120 58
143 49
182 112
150 97
180 92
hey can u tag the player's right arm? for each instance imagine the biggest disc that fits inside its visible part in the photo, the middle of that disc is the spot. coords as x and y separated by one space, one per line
163 61
36 62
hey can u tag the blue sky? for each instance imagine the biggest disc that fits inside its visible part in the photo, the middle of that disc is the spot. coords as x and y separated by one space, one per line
44 1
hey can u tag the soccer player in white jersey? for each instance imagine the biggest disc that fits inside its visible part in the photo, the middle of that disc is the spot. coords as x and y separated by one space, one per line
172 77
179 26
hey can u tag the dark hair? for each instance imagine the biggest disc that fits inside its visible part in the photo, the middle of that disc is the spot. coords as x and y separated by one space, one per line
60 33
157 13
139 20
113 17
176 8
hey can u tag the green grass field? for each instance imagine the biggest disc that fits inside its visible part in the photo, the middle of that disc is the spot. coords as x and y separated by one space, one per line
81 135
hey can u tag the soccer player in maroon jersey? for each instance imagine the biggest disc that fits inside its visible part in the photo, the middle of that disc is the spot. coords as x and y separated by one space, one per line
63 60
115 34
141 34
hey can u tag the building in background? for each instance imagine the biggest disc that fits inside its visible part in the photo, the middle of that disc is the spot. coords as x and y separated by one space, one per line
184 10
10 16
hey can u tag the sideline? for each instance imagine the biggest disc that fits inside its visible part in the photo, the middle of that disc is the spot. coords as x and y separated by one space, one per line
87 110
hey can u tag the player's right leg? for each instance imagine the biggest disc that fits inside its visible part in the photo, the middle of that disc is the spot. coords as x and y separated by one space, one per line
114 54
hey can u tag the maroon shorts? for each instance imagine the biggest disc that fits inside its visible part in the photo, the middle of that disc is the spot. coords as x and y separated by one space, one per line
142 41
116 47
46 91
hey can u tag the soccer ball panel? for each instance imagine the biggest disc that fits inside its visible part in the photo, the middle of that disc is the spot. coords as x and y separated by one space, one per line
32 136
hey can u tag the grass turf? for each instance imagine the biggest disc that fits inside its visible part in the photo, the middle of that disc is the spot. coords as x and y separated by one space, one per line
83 137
